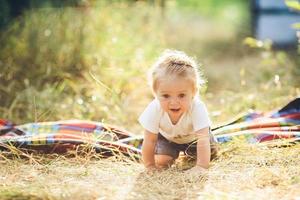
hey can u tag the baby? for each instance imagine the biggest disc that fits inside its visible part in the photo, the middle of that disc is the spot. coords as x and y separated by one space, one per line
176 120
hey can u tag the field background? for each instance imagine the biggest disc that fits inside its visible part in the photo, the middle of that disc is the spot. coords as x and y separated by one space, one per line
90 61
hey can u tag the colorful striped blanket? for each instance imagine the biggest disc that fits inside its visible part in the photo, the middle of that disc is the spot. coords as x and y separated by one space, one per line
261 127
60 136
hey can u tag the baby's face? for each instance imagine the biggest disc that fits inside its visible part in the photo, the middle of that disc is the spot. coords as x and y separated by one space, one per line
175 96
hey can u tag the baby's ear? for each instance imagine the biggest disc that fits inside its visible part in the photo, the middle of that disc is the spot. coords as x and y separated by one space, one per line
195 91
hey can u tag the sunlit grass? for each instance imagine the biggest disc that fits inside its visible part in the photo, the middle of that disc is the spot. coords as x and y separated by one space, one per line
241 171
67 53
91 63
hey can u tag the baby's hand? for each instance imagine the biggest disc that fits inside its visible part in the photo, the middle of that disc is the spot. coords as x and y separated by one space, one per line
151 169
197 171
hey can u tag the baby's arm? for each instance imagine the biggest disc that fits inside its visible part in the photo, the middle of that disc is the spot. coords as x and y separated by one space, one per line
203 148
148 149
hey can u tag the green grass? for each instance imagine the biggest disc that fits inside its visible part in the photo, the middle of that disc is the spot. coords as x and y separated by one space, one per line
92 62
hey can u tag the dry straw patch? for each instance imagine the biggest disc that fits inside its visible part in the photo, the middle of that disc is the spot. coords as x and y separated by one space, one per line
242 171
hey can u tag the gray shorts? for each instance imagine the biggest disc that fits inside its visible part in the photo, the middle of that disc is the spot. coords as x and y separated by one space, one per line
166 147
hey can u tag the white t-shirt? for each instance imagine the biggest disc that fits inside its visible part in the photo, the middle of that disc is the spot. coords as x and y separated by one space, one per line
155 120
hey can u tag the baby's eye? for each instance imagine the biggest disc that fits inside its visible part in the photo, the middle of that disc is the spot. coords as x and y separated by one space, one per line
165 96
181 95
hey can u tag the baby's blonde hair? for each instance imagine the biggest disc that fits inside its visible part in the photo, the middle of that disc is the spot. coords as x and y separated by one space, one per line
178 64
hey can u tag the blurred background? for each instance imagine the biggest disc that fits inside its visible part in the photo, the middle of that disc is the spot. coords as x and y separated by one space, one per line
88 59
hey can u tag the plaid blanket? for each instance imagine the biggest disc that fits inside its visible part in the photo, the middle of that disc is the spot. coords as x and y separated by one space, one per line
261 127
60 136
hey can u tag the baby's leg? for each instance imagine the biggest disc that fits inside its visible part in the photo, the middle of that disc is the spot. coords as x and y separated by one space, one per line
163 161
165 152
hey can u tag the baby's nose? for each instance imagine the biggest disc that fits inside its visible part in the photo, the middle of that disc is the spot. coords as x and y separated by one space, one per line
174 100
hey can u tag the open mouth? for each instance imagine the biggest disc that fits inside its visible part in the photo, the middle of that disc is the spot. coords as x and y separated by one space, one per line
175 109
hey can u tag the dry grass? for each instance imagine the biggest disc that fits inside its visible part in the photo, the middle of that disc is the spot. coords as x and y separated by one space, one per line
242 171
238 79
